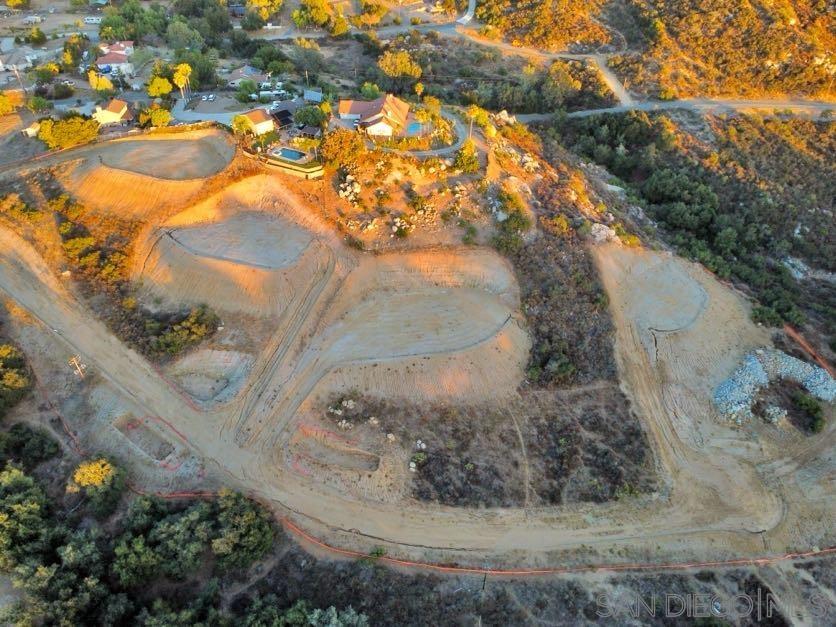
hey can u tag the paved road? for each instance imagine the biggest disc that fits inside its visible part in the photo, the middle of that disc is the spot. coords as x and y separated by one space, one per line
702 105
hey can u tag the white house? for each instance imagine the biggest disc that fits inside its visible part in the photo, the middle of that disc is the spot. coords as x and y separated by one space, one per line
32 129
116 112
116 56
259 121
383 117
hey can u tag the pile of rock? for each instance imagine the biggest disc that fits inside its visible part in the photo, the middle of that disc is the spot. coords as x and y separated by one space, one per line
401 227
529 163
350 189
503 118
354 224
345 425
601 233
735 396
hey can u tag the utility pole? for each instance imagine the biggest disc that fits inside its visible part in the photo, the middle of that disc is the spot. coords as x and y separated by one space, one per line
19 80
75 362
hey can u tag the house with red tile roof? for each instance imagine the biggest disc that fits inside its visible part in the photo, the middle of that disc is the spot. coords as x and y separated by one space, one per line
115 55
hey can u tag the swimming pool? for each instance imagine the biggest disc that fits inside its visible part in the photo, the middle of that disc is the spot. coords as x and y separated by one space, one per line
414 128
288 153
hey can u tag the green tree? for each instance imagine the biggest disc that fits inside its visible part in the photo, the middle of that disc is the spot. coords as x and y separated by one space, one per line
559 85
264 8
36 36
67 132
399 66
467 158
182 77
342 147
26 446
46 72
245 89
180 35
38 104
24 527
99 82
369 91
155 116
311 13
245 531
240 125
310 116
134 562
159 87
252 21
180 540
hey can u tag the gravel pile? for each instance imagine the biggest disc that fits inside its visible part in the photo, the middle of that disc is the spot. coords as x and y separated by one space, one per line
734 396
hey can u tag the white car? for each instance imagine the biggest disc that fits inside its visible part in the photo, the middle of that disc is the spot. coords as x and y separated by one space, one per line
68 83
211 97
204 98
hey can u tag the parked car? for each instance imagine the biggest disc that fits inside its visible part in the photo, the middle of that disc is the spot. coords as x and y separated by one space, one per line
211 97
204 98
68 83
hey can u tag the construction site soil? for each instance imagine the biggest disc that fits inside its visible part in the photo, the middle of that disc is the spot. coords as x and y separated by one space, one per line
433 344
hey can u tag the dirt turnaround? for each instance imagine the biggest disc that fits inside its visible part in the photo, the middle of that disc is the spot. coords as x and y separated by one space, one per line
305 318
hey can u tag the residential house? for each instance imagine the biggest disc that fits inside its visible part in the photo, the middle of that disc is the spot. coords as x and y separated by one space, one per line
22 57
119 47
116 112
310 132
246 73
259 121
384 117
283 118
115 57
32 129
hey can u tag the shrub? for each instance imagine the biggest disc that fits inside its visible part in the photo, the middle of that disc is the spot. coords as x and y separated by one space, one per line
812 407
27 446
6 105
245 532
467 158
201 322
14 377
101 481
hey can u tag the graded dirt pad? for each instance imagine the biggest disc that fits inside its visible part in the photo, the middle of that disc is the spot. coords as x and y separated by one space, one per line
246 238
178 157
257 259
139 177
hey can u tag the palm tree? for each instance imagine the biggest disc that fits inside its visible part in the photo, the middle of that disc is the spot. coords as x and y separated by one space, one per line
182 78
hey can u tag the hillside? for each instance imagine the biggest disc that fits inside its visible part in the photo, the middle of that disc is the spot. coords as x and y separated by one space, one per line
732 48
